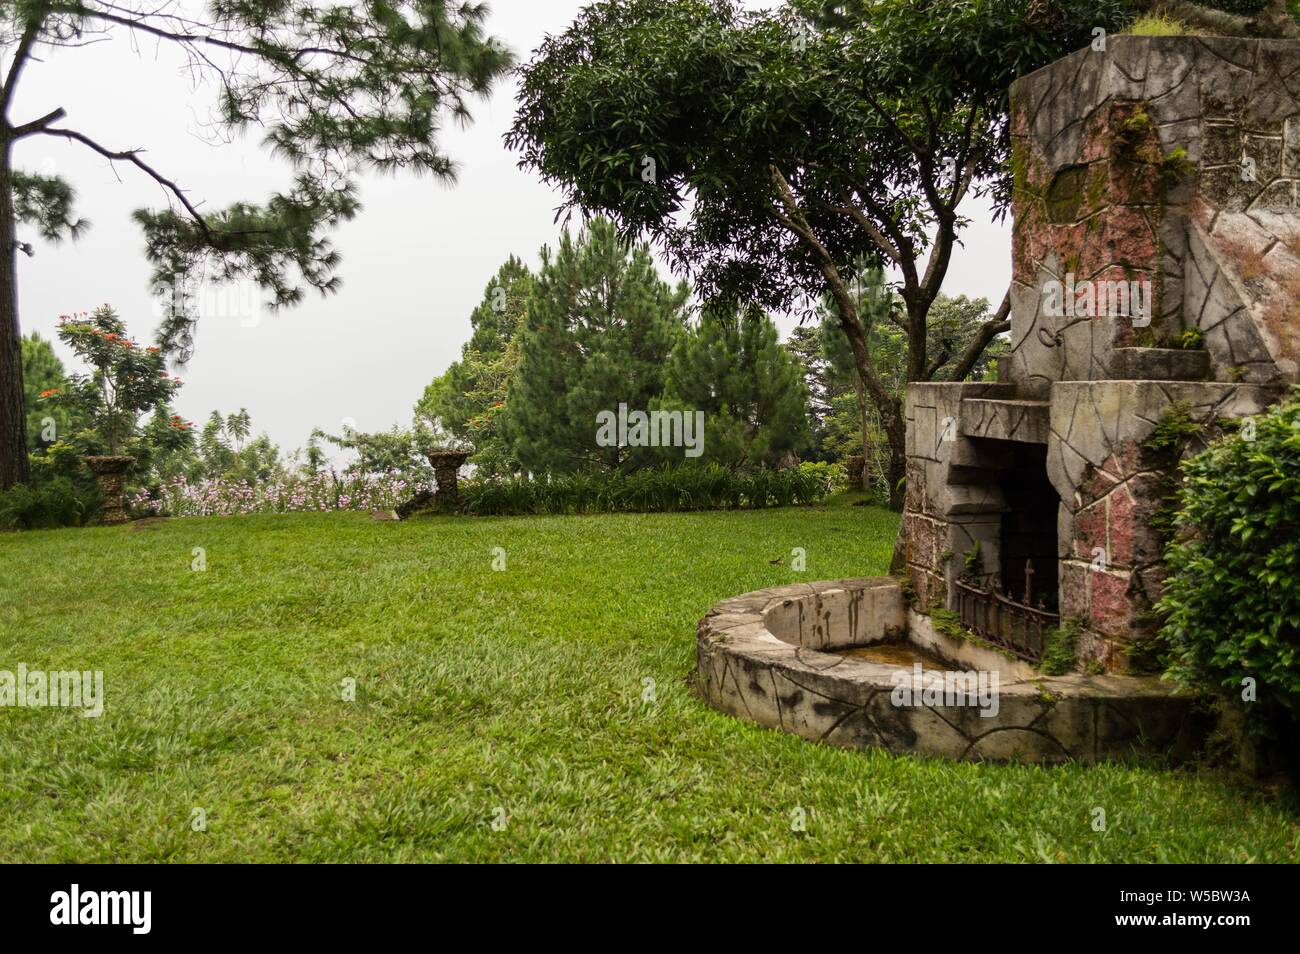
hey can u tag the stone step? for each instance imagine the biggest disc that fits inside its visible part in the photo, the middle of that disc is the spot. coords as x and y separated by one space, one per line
1005 419
1161 364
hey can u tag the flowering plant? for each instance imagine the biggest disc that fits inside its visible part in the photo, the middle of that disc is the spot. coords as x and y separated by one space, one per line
320 492
125 380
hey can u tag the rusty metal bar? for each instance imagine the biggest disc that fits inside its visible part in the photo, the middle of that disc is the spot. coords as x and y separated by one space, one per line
1001 620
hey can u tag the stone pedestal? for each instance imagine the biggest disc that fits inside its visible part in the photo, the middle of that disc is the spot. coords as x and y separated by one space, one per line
110 474
446 465
856 463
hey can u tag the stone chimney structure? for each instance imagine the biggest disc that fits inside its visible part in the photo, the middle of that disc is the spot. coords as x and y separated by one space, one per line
1155 285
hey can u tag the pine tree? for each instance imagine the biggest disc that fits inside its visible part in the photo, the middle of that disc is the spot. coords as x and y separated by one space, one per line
750 388
470 397
600 326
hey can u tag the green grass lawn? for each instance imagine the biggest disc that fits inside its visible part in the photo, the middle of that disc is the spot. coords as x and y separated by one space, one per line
481 692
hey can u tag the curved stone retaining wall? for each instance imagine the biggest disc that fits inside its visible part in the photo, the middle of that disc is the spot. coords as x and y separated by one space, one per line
761 656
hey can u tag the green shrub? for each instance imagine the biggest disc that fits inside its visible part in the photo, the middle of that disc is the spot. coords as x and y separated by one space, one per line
1060 652
62 493
1231 604
654 489
58 502
834 474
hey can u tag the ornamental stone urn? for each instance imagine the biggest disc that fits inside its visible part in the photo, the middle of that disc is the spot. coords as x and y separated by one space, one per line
110 474
446 465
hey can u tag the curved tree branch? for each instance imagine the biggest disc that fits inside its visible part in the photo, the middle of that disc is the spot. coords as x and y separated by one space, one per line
995 326
133 156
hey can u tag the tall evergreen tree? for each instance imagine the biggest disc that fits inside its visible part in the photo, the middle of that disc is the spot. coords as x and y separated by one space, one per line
600 326
470 397
805 346
734 368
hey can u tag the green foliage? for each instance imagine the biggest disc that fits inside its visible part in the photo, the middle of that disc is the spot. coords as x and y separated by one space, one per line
43 377
1173 431
1060 653
851 421
838 107
1156 25
125 380
673 487
733 368
334 88
55 503
837 480
1177 166
399 451
62 493
283 246
469 399
1232 600
600 325
46 202
223 450
770 153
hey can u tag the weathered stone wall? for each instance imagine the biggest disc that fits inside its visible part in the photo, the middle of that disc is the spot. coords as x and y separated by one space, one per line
1169 166
945 514
1113 484
1173 159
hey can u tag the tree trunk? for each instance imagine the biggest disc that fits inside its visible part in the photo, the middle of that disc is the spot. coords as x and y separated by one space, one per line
859 392
13 412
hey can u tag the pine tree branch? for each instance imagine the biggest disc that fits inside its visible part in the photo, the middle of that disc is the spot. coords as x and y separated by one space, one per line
37 125
133 156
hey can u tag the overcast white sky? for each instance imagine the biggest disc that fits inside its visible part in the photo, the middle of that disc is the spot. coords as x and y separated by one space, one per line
415 261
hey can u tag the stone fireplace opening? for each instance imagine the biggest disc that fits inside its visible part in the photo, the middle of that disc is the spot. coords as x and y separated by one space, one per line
1027 551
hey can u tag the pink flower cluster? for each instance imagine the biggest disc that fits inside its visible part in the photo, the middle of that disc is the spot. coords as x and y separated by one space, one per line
292 494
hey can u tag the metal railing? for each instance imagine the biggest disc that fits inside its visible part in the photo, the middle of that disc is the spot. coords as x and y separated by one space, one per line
994 616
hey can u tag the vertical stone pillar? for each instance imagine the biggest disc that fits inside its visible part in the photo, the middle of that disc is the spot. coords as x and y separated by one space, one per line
110 475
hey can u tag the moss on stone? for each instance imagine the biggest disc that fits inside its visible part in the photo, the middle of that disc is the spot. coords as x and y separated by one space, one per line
1177 167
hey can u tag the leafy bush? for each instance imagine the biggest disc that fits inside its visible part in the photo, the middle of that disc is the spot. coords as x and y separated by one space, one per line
62 493
58 502
657 489
837 479
1232 599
